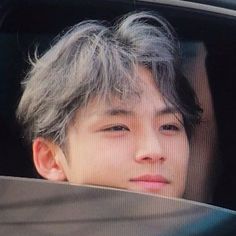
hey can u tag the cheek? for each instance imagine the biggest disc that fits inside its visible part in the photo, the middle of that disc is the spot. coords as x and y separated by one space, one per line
178 165
115 145
116 153
177 145
101 156
177 151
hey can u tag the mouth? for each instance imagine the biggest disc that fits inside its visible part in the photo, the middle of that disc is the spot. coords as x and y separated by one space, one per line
150 182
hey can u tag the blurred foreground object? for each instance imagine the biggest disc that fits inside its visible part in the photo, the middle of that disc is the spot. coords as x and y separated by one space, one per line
38 207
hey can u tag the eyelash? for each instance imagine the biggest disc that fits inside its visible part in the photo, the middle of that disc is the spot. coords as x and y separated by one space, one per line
117 128
166 127
170 127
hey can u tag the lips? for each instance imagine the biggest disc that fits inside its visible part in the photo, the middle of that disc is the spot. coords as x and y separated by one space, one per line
153 182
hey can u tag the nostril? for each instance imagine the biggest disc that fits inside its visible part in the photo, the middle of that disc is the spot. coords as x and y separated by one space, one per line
162 159
151 158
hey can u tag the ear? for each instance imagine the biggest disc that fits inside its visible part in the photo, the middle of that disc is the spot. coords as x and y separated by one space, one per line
46 156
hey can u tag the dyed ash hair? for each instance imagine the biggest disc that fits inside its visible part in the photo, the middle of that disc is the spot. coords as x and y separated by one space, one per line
94 60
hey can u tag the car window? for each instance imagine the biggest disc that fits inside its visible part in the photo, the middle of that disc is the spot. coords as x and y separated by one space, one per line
208 56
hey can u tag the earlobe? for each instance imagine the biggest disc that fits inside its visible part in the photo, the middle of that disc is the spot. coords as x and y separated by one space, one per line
46 160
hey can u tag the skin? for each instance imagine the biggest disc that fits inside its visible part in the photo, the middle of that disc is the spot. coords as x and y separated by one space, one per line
139 145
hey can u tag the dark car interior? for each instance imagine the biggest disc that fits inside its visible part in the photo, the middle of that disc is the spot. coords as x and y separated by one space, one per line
208 41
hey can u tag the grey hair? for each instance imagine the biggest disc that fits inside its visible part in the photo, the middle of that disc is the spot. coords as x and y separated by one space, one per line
94 60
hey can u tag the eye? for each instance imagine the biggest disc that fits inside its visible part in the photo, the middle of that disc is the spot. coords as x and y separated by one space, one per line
117 128
170 127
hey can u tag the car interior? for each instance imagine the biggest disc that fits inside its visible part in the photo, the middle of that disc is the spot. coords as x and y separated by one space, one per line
208 56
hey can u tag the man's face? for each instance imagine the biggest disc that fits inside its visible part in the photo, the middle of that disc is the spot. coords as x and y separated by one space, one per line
140 146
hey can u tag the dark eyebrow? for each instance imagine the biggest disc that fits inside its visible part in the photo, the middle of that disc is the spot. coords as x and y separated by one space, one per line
124 112
167 110
117 112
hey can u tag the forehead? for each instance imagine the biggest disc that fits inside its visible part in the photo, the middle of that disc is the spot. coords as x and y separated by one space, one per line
148 98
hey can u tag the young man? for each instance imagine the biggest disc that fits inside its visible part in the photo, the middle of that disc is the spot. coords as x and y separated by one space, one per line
107 106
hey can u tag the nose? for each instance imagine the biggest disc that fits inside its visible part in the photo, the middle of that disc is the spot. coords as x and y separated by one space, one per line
150 149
